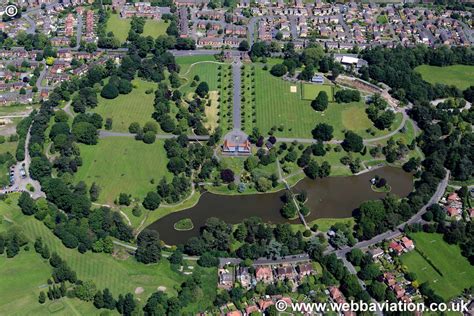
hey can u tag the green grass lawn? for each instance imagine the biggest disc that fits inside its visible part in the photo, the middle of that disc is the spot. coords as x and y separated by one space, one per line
206 70
137 106
334 159
186 61
462 76
119 164
277 106
8 147
120 27
382 19
10 109
22 275
324 224
458 274
311 91
407 135
155 28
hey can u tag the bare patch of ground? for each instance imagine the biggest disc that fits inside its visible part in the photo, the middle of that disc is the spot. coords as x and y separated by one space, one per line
212 111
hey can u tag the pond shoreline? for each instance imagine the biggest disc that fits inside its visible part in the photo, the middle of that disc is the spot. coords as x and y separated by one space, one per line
332 197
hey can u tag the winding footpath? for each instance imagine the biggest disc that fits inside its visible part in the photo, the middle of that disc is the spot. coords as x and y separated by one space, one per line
236 118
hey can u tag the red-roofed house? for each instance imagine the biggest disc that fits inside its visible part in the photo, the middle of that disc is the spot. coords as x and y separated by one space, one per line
264 304
453 197
399 291
453 212
236 143
250 309
396 247
264 273
234 313
389 278
305 269
408 243
287 300
243 147
285 272
336 295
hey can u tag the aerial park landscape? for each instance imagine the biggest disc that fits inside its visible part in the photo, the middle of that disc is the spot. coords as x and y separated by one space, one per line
171 177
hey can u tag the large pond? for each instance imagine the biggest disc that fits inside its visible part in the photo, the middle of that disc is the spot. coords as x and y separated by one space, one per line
333 197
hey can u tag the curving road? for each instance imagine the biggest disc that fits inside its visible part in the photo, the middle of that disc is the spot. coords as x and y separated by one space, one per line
41 77
32 28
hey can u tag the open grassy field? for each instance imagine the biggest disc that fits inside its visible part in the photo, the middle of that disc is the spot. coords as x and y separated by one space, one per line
278 106
8 147
206 70
119 275
324 224
155 28
458 274
462 76
118 26
10 109
382 19
23 277
186 61
137 106
311 91
334 159
119 164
